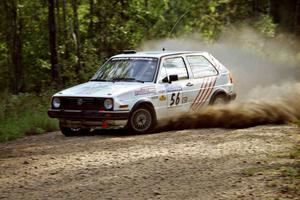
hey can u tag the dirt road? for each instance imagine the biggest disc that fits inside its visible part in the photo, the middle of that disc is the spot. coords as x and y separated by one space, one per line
187 164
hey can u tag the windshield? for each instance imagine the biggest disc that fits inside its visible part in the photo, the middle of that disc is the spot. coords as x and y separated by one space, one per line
127 69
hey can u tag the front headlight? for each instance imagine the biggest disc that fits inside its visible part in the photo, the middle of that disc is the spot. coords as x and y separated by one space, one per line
108 104
56 102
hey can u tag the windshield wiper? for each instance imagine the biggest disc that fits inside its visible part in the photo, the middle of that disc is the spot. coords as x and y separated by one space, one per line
98 79
126 79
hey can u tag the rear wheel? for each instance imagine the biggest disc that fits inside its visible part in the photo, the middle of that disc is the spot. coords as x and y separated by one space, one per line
69 132
142 120
219 99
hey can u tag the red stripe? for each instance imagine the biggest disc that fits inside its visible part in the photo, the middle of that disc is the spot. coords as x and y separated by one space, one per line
208 94
207 89
199 93
210 91
203 91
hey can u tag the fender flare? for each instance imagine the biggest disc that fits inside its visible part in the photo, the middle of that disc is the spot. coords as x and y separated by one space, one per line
140 103
143 102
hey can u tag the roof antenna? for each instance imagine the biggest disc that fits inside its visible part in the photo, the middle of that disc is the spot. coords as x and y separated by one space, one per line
163 49
177 22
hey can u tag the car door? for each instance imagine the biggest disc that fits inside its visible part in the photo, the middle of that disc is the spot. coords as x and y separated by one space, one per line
177 92
204 79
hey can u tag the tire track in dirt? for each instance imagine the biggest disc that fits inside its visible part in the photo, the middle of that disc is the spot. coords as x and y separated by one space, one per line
187 164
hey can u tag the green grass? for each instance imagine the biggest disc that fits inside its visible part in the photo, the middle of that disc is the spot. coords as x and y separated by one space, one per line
297 123
295 154
285 179
251 171
290 174
24 114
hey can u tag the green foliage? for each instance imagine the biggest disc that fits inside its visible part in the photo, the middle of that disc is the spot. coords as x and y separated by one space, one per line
266 25
106 28
3 68
24 114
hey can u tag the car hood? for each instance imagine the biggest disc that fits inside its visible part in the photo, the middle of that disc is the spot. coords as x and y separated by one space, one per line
101 89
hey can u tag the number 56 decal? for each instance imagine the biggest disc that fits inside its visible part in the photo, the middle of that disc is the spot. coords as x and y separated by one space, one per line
175 99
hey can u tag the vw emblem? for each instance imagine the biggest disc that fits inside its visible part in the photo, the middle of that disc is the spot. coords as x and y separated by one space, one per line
79 102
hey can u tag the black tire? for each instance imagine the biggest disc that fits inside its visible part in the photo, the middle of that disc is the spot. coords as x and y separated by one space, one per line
219 99
69 132
142 120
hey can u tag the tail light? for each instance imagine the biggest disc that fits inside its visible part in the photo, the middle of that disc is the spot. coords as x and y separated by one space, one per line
230 78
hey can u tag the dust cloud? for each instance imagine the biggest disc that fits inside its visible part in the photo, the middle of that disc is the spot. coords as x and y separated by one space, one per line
266 74
240 115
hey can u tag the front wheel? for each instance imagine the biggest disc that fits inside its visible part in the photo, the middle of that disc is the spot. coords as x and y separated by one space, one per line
69 132
142 120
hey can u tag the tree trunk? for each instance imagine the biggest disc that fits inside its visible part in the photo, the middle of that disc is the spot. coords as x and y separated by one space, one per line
15 45
91 24
57 8
297 18
52 42
76 37
255 7
65 29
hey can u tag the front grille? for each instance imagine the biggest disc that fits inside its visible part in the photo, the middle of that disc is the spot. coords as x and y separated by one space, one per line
72 103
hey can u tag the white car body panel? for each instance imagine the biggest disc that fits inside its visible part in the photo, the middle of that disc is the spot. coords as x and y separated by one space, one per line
168 99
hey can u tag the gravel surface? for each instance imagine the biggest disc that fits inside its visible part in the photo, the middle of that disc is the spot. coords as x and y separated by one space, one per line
187 164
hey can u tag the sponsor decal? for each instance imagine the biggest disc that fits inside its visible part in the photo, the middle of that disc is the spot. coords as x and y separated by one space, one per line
163 97
145 90
174 88
184 99
154 97
143 58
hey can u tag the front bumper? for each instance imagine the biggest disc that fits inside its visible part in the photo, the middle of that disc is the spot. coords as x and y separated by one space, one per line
89 115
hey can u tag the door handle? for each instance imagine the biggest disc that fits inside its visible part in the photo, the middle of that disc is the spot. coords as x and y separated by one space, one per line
189 84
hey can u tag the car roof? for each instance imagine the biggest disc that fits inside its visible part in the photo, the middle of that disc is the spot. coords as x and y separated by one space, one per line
157 54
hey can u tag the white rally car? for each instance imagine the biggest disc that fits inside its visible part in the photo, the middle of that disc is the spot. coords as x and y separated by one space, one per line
138 89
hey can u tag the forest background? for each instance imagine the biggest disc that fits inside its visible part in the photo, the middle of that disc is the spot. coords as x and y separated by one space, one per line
48 45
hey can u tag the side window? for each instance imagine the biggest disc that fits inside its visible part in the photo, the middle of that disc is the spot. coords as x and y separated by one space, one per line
201 67
174 66
162 74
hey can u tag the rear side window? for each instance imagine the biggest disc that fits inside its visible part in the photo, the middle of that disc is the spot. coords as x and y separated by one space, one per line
175 66
201 67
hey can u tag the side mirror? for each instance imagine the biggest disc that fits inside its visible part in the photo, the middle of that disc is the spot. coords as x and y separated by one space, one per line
165 80
173 77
